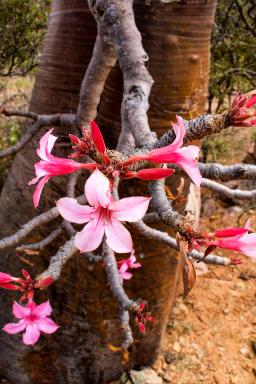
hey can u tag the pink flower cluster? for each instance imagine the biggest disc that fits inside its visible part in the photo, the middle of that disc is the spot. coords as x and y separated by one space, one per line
33 319
104 216
51 165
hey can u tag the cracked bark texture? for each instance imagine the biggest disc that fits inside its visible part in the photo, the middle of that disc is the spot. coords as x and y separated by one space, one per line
176 37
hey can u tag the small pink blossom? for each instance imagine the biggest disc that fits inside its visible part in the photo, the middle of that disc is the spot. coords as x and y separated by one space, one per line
125 264
173 153
33 320
142 318
104 216
50 165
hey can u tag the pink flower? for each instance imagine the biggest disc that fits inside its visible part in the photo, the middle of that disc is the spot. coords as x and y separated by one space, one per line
239 239
142 318
26 286
125 264
33 320
51 165
173 153
103 216
240 114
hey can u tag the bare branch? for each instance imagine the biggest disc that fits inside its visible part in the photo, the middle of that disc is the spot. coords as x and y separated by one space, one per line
118 18
43 243
103 59
227 172
115 282
155 234
59 260
211 259
65 120
29 115
197 128
15 239
228 192
164 209
151 217
126 329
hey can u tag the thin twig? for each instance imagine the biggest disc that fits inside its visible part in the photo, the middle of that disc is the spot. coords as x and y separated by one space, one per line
65 120
12 240
43 243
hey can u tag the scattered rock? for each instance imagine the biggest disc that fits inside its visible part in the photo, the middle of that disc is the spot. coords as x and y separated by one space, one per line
145 376
235 209
169 357
159 364
254 371
201 268
176 347
244 351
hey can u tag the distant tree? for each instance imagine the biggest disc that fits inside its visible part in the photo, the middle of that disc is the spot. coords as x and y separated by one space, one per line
233 54
22 26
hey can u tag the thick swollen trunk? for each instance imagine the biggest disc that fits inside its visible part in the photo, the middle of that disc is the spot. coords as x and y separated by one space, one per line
176 36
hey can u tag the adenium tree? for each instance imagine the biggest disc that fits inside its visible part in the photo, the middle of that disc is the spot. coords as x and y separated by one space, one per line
100 173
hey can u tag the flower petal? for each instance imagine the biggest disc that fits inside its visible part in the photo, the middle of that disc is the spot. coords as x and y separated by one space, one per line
43 310
125 275
47 325
97 137
118 237
19 311
230 232
13 328
38 190
6 278
46 144
32 334
97 189
90 237
74 212
130 208
184 157
154 173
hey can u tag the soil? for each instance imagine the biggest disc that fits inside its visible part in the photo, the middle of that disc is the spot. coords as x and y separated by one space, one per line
210 335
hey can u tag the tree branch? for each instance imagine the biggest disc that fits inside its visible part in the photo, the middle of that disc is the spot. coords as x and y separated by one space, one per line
114 280
118 18
165 211
103 59
11 241
43 243
163 237
227 172
228 192
64 120
59 260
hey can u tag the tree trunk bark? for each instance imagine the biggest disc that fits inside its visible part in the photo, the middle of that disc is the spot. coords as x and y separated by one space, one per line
176 35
